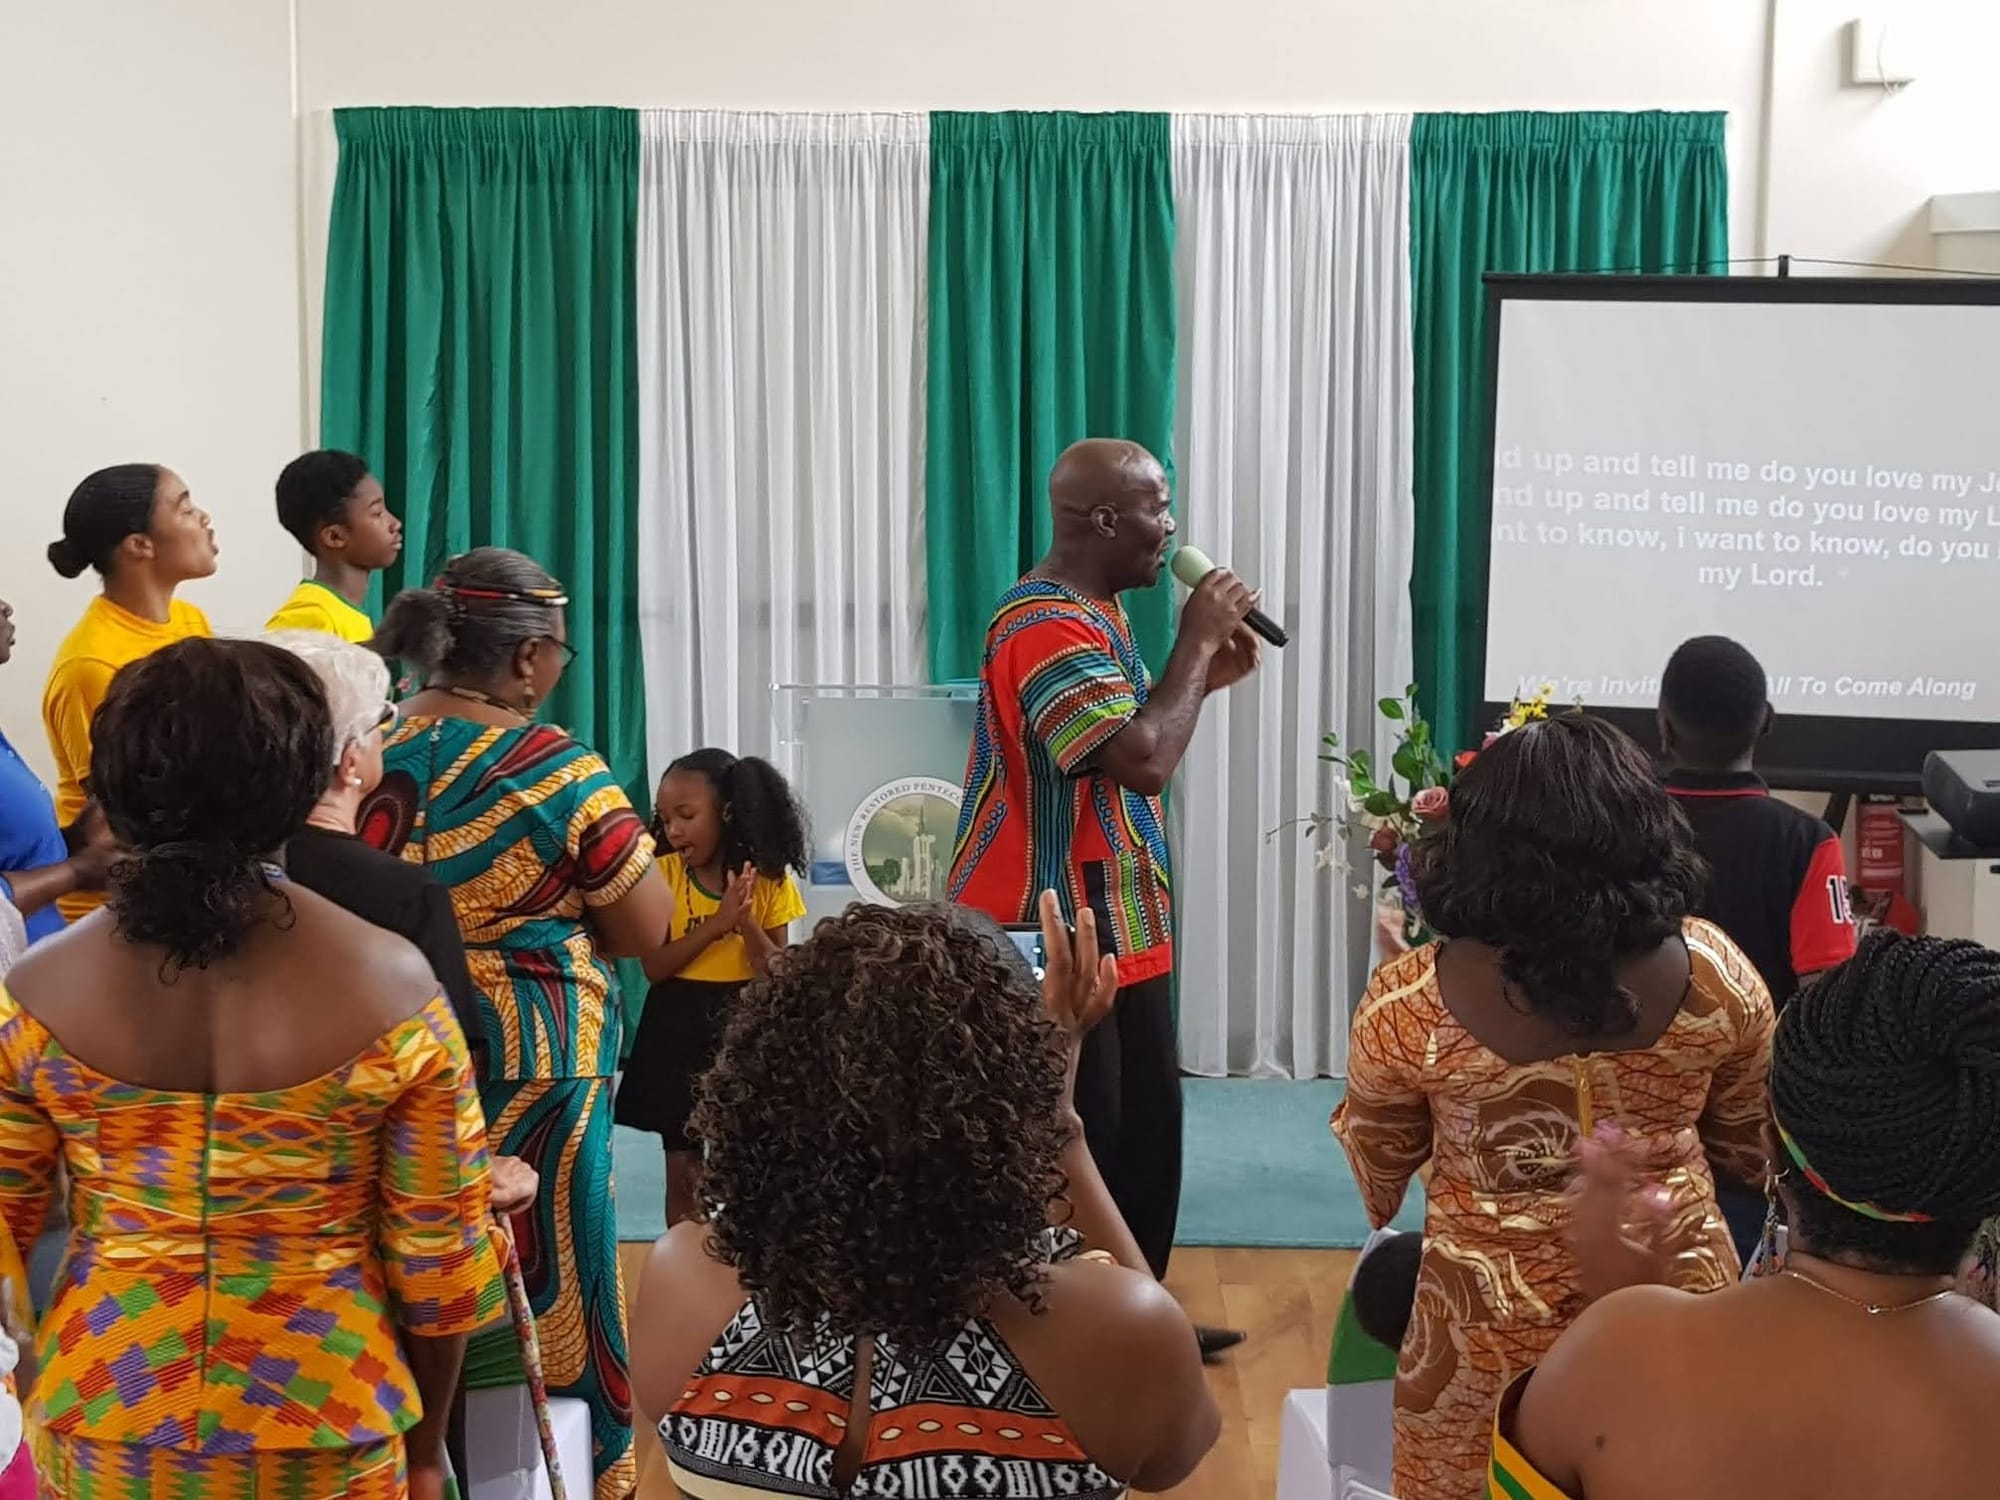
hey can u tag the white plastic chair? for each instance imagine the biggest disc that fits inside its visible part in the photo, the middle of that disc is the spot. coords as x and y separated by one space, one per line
1353 1487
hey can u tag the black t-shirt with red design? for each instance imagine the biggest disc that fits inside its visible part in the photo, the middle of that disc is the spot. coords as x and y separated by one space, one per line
1777 877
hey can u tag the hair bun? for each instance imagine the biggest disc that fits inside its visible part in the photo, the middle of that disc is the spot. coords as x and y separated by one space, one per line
66 559
1886 1073
420 626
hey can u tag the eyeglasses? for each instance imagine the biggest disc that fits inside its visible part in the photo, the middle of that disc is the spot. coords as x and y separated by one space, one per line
568 651
390 713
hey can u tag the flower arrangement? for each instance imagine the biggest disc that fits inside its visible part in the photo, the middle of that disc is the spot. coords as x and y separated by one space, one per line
1394 809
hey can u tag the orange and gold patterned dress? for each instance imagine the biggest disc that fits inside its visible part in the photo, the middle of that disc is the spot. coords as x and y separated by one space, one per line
241 1266
1498 1283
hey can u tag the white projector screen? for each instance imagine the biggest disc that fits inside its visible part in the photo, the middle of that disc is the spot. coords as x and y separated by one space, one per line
1819 479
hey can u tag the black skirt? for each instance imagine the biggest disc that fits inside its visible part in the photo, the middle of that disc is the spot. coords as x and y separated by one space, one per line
679 1032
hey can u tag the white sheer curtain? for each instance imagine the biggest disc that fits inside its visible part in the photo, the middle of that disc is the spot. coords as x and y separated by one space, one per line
1294 451
781 325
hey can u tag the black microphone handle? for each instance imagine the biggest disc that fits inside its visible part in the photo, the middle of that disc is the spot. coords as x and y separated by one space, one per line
1267 627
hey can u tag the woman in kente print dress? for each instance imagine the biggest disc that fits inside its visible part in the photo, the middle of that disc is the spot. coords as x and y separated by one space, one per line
550 872
1573 991
275 1153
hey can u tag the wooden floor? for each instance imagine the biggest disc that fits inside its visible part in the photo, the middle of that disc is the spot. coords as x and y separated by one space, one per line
1284 1299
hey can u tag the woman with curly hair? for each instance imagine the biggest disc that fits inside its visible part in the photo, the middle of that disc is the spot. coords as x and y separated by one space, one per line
873 1300
1572 990
267 1118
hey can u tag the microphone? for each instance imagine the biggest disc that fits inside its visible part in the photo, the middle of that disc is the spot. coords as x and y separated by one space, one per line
1191 565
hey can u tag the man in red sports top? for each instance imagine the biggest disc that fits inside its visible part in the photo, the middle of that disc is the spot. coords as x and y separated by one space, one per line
1073 746
1777 881
1777 876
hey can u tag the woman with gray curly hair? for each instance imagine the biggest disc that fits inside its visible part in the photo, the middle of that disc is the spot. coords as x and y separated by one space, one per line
326 855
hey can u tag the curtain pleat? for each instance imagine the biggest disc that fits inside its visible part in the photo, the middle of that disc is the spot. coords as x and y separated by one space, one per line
1294 441
478 352
1523 192
781 367
1051 319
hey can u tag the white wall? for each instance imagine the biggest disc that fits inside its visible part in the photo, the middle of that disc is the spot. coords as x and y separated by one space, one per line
1850 171
1853 169
1048 54
151 299
148 292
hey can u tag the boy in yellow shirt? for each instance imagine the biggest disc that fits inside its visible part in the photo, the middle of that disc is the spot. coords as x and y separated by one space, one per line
336 509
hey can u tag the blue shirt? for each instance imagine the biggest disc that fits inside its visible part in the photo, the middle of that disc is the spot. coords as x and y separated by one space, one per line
30 837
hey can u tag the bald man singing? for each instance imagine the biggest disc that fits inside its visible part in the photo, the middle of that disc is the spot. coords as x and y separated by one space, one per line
1073 747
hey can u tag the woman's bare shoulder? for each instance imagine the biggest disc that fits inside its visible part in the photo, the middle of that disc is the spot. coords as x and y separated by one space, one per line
687 1298
1114 1354
1100 1315
334 953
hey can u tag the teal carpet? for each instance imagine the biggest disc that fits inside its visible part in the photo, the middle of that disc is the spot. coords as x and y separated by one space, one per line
1261 1169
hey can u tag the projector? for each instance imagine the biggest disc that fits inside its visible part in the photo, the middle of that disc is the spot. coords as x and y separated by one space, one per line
1963 788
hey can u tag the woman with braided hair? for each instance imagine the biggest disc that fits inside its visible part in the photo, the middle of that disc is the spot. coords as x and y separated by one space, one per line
1855 1370
1574 988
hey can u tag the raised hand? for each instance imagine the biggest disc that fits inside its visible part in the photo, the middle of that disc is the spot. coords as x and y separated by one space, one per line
1620 1223
1078 983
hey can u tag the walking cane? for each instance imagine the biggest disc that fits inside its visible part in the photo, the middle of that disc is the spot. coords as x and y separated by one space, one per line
531 1361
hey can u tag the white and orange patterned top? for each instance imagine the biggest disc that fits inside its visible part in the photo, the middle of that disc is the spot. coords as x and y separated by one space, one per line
1498 1283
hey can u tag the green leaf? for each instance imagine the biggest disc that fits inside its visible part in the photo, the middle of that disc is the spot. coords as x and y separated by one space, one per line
1362 763
1380 804
1391 709
1406 763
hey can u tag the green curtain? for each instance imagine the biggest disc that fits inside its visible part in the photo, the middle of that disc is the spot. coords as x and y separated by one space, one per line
1522 192
1051 319
480 354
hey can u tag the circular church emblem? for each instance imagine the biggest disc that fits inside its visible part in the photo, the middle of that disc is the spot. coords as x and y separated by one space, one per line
898 847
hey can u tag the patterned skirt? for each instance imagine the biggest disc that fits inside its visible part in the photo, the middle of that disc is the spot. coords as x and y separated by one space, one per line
569 1257
73 1468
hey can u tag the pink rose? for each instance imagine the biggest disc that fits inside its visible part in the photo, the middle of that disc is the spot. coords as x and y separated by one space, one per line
1431 804
1384 840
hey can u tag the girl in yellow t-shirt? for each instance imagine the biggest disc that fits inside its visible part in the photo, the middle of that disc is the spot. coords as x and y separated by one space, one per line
730 834
139 528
